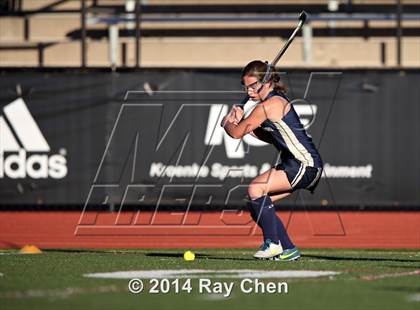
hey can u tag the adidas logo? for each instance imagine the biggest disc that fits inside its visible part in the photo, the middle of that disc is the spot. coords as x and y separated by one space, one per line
23 128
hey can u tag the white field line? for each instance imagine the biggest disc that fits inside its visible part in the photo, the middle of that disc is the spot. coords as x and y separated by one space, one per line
197 273
414 298
214 297
390 275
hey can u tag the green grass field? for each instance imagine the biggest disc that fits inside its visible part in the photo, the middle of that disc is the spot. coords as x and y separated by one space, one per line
368 279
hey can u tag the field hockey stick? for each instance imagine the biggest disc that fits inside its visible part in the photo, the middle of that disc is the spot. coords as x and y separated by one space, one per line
302 19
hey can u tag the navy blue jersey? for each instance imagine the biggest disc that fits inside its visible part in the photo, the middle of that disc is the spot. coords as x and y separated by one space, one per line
289 137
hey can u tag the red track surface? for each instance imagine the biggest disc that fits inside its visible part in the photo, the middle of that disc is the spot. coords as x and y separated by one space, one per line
211 229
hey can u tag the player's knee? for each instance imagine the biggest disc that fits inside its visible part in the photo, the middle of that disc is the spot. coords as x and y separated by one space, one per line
255 191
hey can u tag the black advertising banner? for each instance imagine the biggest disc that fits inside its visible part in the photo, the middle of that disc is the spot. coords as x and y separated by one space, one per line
152 137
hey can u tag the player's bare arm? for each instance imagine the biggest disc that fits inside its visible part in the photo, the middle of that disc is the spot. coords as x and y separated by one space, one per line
247 125
274 109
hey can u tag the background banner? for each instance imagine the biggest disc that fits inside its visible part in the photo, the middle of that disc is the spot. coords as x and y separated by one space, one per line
152 137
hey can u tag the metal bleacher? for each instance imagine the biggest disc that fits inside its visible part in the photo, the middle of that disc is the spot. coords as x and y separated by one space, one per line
209 33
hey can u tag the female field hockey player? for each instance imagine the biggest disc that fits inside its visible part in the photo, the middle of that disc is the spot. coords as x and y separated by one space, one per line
275 121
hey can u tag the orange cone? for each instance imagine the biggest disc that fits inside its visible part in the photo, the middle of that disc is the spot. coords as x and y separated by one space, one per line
30 249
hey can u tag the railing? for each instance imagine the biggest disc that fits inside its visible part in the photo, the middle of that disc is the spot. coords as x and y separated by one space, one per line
181 14
259 18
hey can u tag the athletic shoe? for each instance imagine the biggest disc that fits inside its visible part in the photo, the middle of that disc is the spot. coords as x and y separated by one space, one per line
289 254
269 249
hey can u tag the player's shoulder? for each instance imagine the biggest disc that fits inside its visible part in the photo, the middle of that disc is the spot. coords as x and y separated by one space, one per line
276 102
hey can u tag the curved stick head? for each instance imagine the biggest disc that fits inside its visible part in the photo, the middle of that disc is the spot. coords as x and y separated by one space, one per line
302 17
